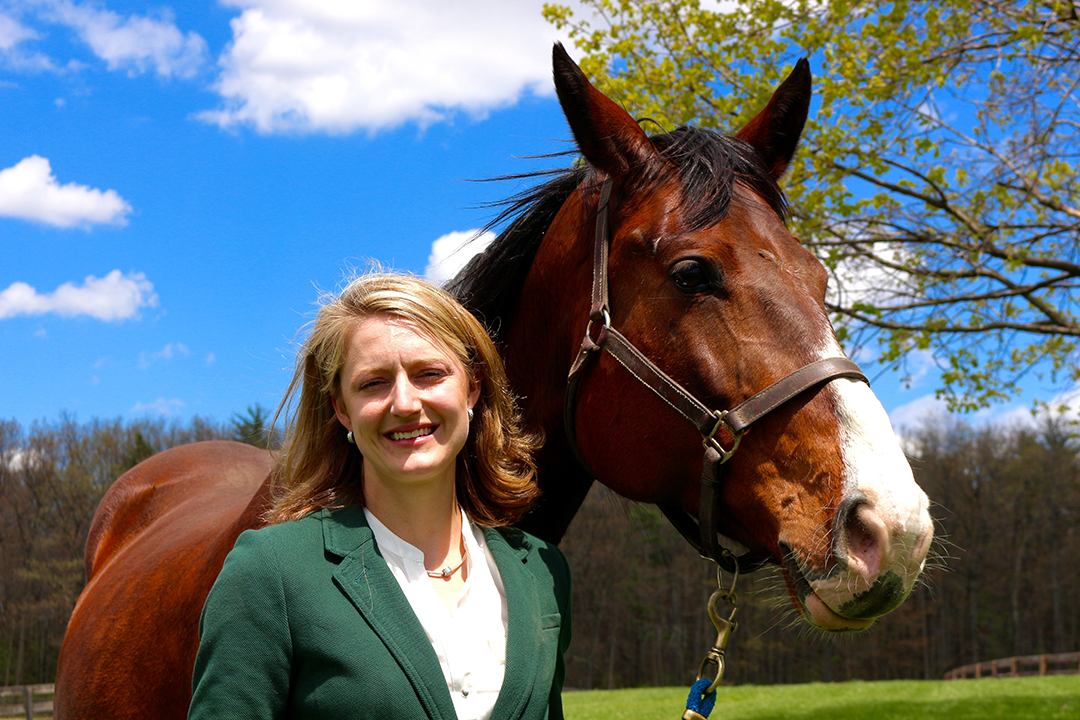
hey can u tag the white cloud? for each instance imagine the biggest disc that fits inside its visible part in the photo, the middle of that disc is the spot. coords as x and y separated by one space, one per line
859 279
161 406
918 412
113 297
17 460
452 251
334 66
29 191
165 353
136 43
913 414
327 66
13 36
12 32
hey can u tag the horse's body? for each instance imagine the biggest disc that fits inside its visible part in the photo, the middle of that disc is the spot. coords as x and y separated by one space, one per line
705 281
158 540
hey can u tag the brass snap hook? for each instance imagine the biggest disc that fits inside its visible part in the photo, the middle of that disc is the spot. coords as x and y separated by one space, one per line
725 626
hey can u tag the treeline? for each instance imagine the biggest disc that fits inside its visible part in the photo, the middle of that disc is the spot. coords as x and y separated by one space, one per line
1007 562
1001 580
52 476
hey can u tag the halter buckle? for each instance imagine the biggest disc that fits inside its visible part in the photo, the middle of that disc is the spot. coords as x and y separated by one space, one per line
711 441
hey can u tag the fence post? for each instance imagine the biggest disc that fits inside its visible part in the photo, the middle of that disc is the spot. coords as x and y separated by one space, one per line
29 695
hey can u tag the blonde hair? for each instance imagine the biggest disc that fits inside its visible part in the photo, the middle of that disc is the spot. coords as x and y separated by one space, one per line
317 468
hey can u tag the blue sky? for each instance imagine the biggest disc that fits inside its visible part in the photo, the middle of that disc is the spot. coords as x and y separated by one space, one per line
179 183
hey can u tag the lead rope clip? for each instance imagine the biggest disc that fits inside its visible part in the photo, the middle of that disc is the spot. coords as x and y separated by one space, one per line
703 693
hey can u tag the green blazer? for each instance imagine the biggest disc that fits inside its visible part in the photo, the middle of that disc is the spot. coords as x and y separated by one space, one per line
306 621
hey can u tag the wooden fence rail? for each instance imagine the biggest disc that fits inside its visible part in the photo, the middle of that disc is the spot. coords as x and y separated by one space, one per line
1054 664
25 700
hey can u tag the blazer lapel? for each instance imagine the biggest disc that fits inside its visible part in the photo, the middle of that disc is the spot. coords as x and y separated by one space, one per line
368 583
523 627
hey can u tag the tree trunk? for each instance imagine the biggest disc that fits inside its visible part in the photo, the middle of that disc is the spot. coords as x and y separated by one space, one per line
19 653
1014 598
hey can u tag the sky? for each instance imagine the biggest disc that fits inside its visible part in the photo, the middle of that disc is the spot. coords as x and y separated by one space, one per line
180 183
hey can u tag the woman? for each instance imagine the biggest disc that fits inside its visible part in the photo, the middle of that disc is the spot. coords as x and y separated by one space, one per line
389 583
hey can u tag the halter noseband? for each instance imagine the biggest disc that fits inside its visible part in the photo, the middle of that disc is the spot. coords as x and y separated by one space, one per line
700 532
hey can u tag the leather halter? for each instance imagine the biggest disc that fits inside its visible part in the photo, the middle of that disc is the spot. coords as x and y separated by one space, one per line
701 533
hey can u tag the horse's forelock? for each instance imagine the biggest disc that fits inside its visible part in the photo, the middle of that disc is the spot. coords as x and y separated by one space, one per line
709 166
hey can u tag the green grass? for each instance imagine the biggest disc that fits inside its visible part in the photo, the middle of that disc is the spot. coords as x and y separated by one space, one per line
1034 698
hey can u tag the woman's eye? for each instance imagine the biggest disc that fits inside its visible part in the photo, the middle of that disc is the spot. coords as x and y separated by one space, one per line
690 276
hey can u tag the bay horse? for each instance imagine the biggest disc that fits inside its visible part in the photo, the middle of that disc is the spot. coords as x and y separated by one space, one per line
671 253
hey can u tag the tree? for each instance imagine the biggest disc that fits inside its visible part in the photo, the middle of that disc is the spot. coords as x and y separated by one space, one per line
253 427
937 177
52 477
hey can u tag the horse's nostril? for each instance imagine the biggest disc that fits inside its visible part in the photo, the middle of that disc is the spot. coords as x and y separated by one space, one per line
862 541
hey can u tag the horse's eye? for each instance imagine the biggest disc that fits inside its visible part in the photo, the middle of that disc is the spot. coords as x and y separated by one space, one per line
690 276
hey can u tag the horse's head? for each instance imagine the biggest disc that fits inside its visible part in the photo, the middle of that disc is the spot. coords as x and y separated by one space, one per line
707 282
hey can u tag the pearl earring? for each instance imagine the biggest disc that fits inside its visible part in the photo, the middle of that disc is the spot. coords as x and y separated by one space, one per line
349 437
469 412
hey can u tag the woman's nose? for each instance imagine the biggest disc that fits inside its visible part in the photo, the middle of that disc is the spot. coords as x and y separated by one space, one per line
406 398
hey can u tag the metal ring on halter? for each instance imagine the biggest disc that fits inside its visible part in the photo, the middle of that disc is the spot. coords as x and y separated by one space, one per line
588 327
711 441
734 576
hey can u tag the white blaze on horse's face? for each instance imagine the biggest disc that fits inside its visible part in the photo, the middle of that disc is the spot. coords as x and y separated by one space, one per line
882 530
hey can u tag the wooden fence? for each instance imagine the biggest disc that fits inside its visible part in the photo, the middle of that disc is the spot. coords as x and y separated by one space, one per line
1055 664
23 701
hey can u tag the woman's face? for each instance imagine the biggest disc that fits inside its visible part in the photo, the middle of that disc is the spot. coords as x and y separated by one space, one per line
405 397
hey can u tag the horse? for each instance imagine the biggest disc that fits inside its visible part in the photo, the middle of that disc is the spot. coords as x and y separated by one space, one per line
670 254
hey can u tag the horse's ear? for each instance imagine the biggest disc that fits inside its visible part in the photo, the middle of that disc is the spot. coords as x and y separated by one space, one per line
775 131
608 137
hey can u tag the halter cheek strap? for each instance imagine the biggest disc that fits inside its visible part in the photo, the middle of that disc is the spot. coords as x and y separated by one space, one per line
701 533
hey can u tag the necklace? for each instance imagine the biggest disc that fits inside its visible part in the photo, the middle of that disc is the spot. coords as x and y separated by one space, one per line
447 571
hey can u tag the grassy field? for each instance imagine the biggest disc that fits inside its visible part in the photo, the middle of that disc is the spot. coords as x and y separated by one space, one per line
1035 698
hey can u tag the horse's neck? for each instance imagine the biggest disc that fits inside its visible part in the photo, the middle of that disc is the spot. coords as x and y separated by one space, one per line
541 343
538 374
564 485
544 334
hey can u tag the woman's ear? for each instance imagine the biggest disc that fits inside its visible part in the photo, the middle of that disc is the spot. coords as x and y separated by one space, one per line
342 416
474 390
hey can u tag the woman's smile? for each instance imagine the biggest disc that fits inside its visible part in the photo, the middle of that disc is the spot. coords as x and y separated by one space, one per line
411 434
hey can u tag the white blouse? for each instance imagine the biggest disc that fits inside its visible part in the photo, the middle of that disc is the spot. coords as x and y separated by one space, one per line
470 640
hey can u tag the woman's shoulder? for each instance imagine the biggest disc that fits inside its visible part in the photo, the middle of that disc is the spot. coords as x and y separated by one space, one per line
295 535
521 540
295 547
288 530
530 546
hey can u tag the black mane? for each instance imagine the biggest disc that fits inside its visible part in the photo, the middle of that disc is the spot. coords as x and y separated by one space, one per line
708 165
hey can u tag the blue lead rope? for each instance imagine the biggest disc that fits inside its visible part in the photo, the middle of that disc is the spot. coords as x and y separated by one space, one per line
698 701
